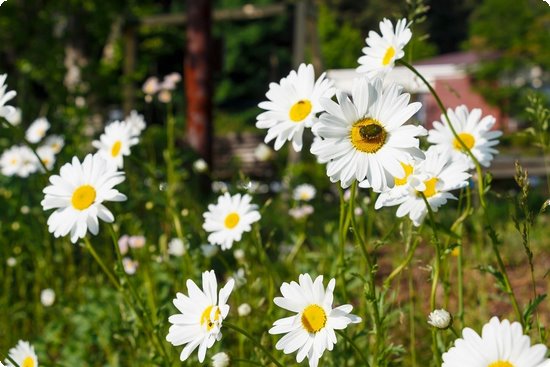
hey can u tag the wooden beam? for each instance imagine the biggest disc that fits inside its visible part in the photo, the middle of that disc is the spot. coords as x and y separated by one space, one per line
247 12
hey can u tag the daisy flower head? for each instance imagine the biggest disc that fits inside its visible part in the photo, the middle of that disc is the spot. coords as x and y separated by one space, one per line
37 130
229 219
136 122
115 143
23 354
47 156
365 138
474 131
77 195
202 313
293 105
311 330
383 49
501 344
437 175
55 142
5 97
304 192
18 161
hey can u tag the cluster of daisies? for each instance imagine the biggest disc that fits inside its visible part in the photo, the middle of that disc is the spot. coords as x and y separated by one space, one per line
162 89
365 136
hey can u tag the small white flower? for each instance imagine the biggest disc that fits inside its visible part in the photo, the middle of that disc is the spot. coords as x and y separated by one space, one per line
47 297
244 310
151 86
474 131
11 262
15 117
382 50
239 254
165 96
130 266
202 313
501 344
55 142
304 192
311 331
25 210
209 250
440 319
136 241
301 211
200 165
18 161
170 81
23 354
240 277
293 105
263 152
123 244
176 247
136 122
47 156
115 143
37 131
229 219
77 195
5 97
219 186
220 360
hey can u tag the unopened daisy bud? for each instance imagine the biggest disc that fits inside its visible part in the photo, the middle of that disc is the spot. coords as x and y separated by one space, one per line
239 254
440 319
200 165
11 262
176 247
220 360
25 209
47 297
244 310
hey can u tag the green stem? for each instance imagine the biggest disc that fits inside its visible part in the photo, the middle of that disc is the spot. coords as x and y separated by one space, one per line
12 361
412 336
253 340
357 349
410 253
455 135
454 331
102 265
239 360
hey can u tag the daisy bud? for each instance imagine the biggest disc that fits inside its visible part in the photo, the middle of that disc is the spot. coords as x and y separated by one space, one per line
11 262
440 319
244 310
47 297
200 165
220 360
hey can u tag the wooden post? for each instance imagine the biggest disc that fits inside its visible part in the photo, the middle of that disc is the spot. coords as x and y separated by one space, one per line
198 77
128 90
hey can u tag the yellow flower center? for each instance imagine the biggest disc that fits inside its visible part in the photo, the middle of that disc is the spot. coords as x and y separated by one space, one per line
116 148
390 53
300 110
408 171
467 139
368 135
232 220
314 318
206 320
13 162
83 197
28 362
430 187
501 364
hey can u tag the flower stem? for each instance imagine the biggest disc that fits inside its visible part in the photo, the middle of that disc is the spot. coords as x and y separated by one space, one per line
455 135
253 340
410 253
357 349
102 265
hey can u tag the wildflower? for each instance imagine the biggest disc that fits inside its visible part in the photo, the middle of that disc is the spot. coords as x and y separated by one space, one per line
365 140
115 143
23 354
501 344
293 105
123 244
202 313
77 195
209 250
239 254
37 131
55 142
11 262
200 165
474 131
136 241
300 212
383 50
151 86
5 97
244 309
311 330
304 192
130 266
18 161
15 117
439 176
47 156
47 297
229 219
402 184
136 122
165 96
220 360
263 152
170 81
440 319
176 247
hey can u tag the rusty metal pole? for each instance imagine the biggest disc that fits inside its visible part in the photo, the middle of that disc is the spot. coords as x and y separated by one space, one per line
198 77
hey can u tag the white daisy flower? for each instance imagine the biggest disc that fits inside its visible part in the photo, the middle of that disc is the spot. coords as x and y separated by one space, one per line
11 161
15 117
176 247
37 130
311 330
293 105
220 360
115 143
5 97
47 156
202 314
23 354
501 344
474 131
47 297
365 140
304 192
136 122
382 50
130 266
229 218
55 142
439 176
77 195
440 319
